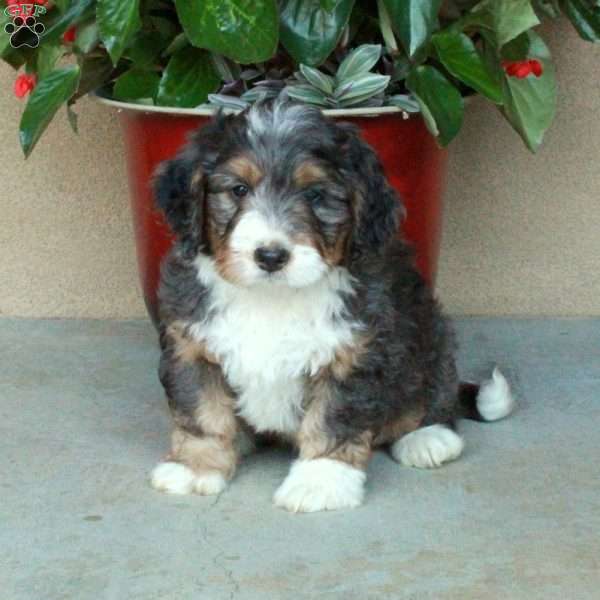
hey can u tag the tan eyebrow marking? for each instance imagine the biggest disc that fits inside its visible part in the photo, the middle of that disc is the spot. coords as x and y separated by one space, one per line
245 168
308 172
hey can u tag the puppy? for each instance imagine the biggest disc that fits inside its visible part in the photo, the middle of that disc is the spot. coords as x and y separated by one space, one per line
289 306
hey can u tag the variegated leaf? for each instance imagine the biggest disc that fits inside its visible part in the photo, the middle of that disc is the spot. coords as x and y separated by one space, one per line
317 79
359 61
224 101
306 93
357 101
223 67
259 93
364 87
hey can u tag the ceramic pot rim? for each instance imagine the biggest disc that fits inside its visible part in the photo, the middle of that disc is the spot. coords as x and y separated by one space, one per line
208 110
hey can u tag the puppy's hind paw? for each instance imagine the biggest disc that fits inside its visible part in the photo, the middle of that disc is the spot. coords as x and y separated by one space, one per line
428 447
173 478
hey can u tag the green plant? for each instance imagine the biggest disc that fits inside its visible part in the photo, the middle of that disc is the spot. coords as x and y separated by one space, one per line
424 55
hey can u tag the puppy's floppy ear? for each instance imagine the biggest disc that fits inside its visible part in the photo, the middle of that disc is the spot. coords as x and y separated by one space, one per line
377 206
173 191
179 185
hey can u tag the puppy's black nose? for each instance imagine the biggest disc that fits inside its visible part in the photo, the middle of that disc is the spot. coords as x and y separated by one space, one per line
271 258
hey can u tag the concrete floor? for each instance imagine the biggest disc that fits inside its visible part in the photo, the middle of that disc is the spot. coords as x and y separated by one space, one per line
83 421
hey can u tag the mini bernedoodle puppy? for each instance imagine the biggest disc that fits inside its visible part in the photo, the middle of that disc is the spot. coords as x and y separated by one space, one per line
290 307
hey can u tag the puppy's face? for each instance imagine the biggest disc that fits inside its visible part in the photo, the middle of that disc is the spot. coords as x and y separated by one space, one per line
277 195
279 218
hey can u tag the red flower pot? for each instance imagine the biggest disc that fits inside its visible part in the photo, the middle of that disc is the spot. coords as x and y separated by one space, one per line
413 162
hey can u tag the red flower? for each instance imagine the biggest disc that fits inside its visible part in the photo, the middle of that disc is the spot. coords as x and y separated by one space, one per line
536 67
24 84
522 68
69 35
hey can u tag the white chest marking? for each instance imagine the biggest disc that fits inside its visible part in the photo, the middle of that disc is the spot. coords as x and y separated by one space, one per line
268 338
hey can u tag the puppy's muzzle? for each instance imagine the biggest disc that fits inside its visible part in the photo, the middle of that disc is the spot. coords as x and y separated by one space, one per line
271 258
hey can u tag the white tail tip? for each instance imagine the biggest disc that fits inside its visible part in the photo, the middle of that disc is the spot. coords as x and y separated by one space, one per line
495 400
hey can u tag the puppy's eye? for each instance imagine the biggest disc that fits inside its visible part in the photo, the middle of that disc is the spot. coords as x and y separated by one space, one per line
313 196
240 191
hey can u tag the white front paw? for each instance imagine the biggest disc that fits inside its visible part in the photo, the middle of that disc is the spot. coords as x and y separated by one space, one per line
173 478
428 447
320 484
176 478
209 483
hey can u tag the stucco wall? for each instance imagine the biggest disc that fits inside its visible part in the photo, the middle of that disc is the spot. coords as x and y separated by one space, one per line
522 233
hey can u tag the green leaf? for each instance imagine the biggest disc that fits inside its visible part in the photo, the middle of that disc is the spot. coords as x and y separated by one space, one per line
504 20
17 57
317 79
225 101
244 30
117 20
258 92
144 48
356 100
188 79
62 5
47 97
78 12
458 54
306 93
167 27
87 37
227 70
530 103
4 38
585 16
440 102
363 87
328 5
386 29
136 84
358 62
405 102
429 119
517 49
309 32
46 58
177 43
414 21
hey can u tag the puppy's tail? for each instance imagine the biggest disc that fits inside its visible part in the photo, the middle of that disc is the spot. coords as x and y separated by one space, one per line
489 401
